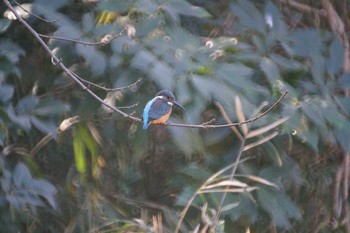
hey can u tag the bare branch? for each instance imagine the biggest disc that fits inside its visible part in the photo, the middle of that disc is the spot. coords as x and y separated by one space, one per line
104 41
232 124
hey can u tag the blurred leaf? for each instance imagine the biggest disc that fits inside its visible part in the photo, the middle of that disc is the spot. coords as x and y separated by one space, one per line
286 62
11 50
314 113
147 6
274 20
44 189
6 92
26 105
270 69
143 60
116 5
46 127
21 175
47 107
278 206
4 25
187 141
306 42
335 60
21 120
344 81
343 135
249 15
343 103
94 58
6 65
182 7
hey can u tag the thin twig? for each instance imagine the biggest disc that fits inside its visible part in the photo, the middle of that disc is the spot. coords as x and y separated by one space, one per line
108 89
36 16
102 42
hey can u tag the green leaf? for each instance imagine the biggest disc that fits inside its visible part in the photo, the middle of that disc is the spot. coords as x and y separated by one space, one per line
79 153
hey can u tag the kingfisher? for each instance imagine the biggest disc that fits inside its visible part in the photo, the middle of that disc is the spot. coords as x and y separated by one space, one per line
158 109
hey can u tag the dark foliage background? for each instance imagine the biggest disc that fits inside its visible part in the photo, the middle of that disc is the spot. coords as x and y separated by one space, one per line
106 174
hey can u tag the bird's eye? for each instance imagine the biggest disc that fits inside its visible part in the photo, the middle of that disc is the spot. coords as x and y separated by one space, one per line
171 99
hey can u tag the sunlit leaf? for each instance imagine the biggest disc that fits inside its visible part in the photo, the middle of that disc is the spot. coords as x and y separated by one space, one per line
234 183
79 153
264 129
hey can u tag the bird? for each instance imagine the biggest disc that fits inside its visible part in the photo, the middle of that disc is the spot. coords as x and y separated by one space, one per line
158 109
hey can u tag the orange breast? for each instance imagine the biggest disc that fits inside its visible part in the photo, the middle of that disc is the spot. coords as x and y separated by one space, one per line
162 119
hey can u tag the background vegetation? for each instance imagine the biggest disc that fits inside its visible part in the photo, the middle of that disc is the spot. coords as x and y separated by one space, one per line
69 164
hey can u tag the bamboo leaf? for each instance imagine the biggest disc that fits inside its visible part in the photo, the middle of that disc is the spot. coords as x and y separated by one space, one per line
235 183
79 154
257 132
261 141
240 114
260 180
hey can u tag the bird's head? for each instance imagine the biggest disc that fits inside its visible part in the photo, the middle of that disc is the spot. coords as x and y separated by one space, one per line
170 98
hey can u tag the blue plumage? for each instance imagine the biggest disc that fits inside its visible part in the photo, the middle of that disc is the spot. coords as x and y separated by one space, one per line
145 115
158 109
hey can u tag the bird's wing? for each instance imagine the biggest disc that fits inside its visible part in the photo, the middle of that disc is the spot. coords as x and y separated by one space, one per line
158 109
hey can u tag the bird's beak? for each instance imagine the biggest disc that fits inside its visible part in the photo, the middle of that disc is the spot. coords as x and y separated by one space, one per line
178 105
